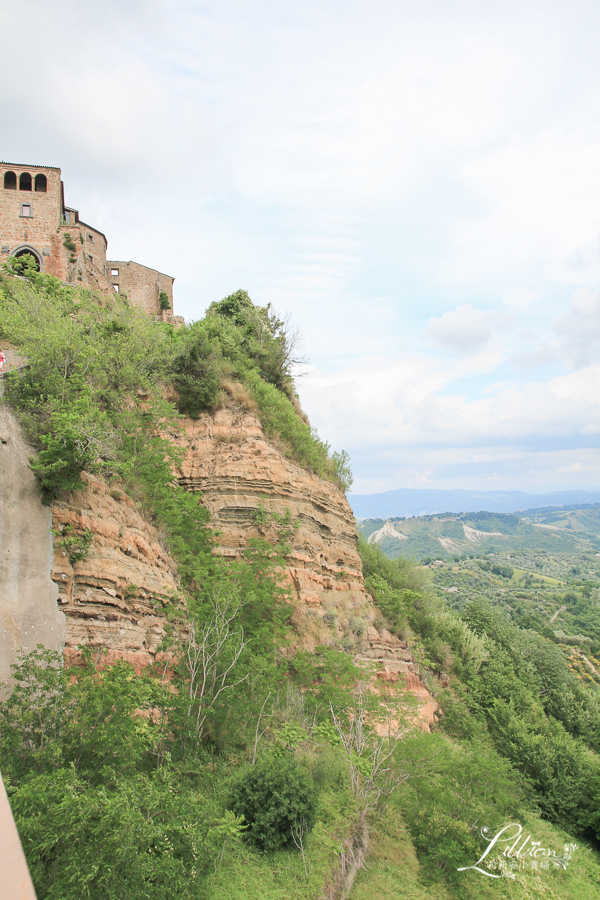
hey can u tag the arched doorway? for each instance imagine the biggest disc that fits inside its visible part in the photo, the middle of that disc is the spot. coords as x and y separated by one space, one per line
22 253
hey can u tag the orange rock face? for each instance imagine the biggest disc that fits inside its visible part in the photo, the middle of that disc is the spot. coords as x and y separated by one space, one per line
229 460
227 457
113 598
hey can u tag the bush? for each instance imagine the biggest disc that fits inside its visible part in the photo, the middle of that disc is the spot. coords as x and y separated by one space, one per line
274 797
198 370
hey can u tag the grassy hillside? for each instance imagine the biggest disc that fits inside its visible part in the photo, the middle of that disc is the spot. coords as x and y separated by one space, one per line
541 568
554 530
238 767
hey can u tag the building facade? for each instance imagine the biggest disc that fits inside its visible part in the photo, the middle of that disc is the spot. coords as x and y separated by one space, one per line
34 220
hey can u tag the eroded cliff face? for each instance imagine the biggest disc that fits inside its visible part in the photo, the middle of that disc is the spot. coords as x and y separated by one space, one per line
114 597
239 473
113 600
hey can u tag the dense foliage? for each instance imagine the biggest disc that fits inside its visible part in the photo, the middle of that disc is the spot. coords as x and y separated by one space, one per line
515 687
93 395
276 798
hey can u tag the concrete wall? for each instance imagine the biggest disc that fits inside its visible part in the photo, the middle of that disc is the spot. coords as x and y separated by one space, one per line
29 614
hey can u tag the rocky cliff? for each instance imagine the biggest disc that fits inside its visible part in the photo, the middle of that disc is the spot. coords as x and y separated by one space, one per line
241 475
112 596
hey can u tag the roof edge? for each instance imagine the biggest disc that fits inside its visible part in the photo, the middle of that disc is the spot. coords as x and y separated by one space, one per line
126 262
3 162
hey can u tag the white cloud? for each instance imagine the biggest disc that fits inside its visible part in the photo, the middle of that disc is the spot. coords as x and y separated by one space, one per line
408 413
579 329
520 298
464 329
539 205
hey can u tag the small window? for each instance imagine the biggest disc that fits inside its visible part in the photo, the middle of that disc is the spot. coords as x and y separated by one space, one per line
67 217
114 273
10 181
41 184
90 237
26 210
91 258
116 287
25 182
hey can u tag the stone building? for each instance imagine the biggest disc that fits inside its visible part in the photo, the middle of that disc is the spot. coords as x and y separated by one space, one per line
144 287
34 220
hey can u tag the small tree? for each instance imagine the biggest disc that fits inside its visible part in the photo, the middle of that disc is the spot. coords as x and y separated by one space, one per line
163 301
373 776
278 801
211 654
343 472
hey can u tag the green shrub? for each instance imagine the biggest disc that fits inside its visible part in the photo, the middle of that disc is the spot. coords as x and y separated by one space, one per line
274 797
259 336
198 370
69 243
76 543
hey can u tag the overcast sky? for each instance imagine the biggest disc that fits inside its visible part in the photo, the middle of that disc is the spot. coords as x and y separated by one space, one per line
417 184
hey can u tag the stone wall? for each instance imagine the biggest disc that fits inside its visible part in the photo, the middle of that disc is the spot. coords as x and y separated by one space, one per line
94 246
35 231
43 233
141 284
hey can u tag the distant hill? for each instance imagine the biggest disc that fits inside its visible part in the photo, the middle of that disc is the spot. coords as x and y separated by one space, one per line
425 502
558 529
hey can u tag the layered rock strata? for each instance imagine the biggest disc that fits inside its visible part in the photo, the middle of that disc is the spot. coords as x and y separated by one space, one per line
243 478
113 598
113 594
247 483
394 664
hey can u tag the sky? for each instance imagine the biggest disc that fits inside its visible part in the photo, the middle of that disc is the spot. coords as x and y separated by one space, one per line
416 184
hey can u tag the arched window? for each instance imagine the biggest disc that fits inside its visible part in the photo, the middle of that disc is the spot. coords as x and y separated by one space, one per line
10 181
41 183
25 182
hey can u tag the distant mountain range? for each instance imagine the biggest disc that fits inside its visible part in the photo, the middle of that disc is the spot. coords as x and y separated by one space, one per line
425 502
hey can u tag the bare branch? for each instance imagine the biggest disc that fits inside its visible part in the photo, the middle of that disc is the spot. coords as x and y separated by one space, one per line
373 777
212 654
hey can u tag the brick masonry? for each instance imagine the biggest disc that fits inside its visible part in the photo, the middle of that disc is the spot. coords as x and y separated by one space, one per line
34 219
